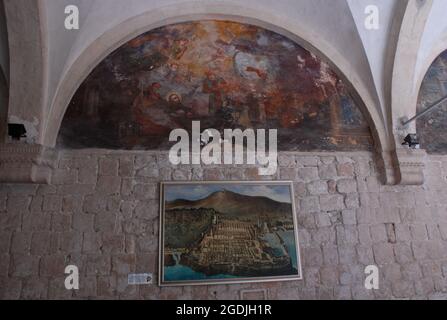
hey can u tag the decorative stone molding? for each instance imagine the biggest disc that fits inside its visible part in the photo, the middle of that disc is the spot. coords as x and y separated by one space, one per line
387 165
25 163
404 166
411 166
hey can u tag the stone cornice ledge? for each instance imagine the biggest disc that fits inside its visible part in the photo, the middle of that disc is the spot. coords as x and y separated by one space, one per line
411 166
26 163
403 166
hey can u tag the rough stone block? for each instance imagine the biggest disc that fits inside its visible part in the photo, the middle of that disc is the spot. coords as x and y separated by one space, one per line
126 166
100 265
364 235
145 191
61 222
378 233
310 205
383 253
83 222
113 242
91 242
288 174
317 188
4 264
352 201
286 161
108 185
88 175
37 221
403 253
123 264
70 242
52 265
419 232
312 256
332 202
330 255
327 171
17 204
323 220
347 186
308 174
403 232
24 265
349 217
21 242
34 289
365 255
215 174
108 166
307 161
329 276
347 254
57 290
40 244
10 288
345 170
60 177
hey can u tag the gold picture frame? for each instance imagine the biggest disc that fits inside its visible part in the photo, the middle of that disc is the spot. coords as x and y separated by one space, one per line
228 232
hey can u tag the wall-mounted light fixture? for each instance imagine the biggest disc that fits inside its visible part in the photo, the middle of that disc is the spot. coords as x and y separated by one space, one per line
406 122
16 131
412 141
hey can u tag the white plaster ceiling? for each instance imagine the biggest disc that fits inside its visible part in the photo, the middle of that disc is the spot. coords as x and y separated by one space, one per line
367 58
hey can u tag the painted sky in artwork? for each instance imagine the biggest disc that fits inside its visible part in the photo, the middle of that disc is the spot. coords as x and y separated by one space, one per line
431 127
280 193
226 75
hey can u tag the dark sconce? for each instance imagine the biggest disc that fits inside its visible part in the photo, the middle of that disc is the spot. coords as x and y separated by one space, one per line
16 131
412 141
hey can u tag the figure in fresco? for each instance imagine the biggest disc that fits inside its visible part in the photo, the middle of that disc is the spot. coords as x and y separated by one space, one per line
179 48
151 113
214 86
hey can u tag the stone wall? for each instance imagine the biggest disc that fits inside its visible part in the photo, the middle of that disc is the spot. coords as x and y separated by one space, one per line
101 214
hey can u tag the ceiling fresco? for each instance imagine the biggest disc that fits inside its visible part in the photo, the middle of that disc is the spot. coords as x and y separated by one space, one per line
431 127
226 75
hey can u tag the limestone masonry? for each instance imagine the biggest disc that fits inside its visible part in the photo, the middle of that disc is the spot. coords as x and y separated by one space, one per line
101 212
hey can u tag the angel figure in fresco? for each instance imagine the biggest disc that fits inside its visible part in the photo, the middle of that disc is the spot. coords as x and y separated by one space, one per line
214 86
179 48
149 111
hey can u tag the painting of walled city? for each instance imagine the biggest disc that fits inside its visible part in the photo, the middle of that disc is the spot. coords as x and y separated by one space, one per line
226 75
228 232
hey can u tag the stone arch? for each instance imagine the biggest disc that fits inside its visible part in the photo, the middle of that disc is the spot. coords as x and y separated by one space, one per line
133 27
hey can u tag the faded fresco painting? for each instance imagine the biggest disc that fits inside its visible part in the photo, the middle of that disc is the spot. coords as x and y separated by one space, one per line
431 127
227 232
226 75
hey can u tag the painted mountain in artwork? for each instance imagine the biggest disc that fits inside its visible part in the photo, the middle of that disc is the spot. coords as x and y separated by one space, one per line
231 204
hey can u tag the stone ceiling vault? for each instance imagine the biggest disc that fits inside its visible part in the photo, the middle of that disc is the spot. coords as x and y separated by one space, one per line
385 66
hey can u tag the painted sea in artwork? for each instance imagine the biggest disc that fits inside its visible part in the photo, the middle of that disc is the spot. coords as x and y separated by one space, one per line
221 232
226 75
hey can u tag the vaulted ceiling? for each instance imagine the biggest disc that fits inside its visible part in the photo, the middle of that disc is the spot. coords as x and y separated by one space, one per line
384 66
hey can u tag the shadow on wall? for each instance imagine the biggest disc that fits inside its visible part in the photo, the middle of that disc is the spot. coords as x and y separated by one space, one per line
431 127
4 94
226 75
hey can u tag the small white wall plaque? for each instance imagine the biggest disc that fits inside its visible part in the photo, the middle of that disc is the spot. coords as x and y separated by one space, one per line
140 279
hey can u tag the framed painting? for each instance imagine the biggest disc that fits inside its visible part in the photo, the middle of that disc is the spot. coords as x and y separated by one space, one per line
228 232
